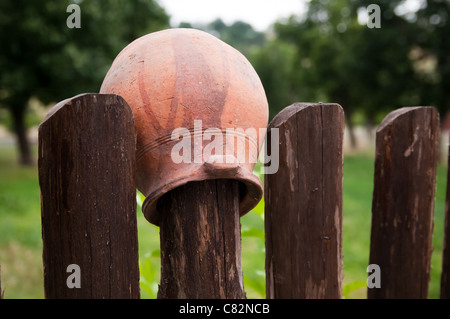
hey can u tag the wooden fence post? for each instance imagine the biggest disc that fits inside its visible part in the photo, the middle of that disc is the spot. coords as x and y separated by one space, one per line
445 276
407 148
88 199
200 241
303 212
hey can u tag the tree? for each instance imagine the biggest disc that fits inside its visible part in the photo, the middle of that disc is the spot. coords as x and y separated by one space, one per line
433 53
325 64
340 60
240 35
42 57
387 78
274 63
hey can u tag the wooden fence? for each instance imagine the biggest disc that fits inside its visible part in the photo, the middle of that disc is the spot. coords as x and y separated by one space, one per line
87 181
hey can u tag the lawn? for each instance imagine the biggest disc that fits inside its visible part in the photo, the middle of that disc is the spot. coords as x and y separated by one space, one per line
21 243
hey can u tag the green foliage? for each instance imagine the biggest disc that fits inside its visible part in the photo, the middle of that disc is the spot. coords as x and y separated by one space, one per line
253 232
149 264
341 61
149 267
327 55
239 35
255 226
253 252
274 63
433 52
42 57
355 285
256 280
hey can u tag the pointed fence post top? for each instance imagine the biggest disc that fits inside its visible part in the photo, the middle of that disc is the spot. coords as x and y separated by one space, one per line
87 148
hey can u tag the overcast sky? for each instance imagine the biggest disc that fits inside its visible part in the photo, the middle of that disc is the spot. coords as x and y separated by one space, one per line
259 13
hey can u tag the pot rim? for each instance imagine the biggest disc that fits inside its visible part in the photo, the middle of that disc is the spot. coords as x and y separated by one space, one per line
253 188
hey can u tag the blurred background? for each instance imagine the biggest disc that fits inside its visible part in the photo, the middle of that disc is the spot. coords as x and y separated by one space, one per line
303 51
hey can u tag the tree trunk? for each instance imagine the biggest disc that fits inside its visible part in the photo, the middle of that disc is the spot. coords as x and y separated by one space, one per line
25 157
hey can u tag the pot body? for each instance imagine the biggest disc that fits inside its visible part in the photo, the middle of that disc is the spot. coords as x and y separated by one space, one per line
194 98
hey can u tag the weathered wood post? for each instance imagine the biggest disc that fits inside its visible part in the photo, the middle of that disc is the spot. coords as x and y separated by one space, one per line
407 148
88 199
192 95
445 276
303 212
201 241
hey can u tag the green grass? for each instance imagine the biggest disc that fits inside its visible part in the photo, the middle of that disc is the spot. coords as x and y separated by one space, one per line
21 243
20 229
356 219
357 207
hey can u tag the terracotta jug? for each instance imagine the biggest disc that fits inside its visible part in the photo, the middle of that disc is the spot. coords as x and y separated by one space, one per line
186 89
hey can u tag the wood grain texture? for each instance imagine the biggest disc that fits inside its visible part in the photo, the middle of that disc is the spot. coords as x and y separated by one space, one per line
407 148
303 212
88 197
200 241
445 276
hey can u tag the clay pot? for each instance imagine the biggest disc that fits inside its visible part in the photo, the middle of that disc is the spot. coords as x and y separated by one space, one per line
174 77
